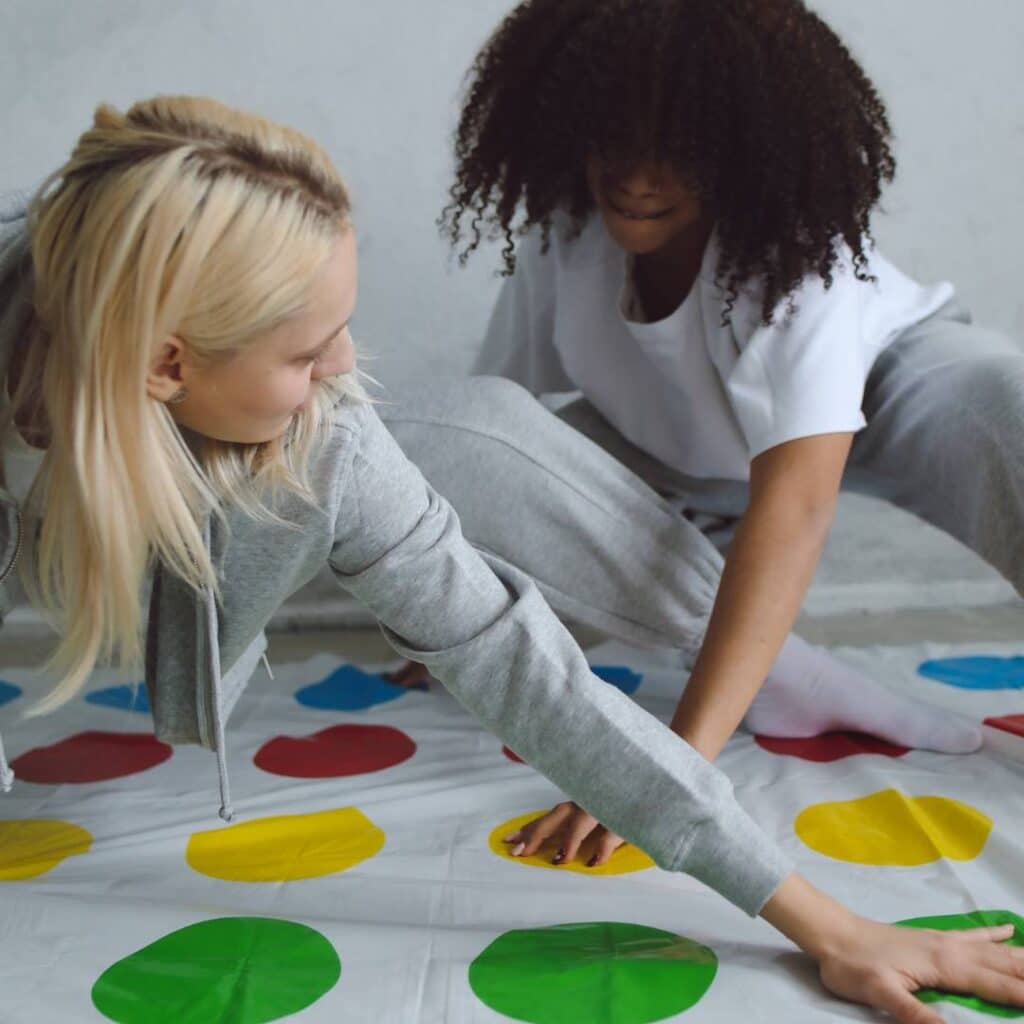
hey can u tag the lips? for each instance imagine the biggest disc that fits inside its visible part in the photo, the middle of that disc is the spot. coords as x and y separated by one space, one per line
640 215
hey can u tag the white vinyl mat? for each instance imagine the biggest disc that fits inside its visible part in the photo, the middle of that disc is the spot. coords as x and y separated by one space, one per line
362 879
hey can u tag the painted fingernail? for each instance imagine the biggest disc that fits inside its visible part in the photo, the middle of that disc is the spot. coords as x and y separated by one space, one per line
518 849
512 838
558 857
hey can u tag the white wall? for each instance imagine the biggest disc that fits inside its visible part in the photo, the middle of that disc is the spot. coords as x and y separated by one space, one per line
377 83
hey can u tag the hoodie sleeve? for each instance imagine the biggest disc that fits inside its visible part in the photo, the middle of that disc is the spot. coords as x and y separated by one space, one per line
506 658
519 341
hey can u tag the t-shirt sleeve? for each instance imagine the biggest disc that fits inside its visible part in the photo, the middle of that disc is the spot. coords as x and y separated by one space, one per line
804 373
519 343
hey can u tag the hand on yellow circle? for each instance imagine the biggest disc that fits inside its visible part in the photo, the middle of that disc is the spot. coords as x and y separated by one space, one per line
565 828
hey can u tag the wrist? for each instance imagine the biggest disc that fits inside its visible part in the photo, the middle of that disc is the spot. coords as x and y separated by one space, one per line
708 746
817 923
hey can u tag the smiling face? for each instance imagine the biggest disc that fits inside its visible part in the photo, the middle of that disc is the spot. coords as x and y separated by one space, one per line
253 395
644 207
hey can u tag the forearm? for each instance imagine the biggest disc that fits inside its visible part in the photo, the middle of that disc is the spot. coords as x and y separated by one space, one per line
770 566
816 922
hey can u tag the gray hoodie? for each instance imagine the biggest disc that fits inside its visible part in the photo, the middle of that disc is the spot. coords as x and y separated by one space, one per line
482 629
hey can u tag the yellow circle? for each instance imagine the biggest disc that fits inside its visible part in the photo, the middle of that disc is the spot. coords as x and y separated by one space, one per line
286 847
624 861
890 828
30 847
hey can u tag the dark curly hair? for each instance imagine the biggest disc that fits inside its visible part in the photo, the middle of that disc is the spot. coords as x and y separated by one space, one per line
757 103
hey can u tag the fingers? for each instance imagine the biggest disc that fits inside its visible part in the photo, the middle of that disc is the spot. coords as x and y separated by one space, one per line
580 826
997 985
412 673
901 1005
571 826
530 838
606 846
994 933
991 970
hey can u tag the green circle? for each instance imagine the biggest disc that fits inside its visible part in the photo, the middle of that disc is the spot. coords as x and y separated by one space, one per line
607 971
242 970
976 919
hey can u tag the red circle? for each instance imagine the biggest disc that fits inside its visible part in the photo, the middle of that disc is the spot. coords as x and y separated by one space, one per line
830 746
92 757
1008 723
339 750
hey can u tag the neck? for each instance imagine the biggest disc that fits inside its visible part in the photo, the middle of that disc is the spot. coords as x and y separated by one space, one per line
664 277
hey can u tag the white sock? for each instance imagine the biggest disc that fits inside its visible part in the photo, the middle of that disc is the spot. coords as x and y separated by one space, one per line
809 692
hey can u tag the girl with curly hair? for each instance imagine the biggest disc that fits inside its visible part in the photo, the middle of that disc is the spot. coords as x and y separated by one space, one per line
692 183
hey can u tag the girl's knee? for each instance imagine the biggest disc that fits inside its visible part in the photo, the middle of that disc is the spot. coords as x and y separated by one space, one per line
504 397
473 402
992 387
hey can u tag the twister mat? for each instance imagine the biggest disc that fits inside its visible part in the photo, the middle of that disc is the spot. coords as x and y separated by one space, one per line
364 879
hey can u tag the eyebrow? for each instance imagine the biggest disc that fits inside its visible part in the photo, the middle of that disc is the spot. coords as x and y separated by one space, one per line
325 342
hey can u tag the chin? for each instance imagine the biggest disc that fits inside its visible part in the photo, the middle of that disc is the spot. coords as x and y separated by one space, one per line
256 436
643 237
282 430
637 238
638 243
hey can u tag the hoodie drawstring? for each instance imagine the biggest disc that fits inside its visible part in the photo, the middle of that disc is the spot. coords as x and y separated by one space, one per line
6 772
213 647
227 812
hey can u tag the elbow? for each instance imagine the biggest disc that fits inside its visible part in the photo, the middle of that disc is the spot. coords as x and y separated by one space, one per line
814 515
803 515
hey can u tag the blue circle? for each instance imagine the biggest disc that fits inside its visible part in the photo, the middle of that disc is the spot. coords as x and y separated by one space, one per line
131 697
619 676
349 689
8 692
977 673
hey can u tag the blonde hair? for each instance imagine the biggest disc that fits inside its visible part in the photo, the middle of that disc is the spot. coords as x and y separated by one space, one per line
181 216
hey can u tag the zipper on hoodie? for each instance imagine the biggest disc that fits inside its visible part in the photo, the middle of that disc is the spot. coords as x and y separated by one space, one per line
17 545
205 695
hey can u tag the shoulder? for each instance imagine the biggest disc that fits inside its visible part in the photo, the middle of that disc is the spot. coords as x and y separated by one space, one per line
365 455
812 303
349 416
350 428
379 494
355 432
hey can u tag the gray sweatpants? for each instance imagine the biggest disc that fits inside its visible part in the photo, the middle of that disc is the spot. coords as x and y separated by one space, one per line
598 524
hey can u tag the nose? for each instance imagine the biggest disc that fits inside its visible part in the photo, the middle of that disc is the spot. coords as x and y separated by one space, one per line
337 359
641 183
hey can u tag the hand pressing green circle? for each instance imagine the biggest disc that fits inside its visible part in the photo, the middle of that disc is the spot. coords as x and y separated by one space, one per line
604 971
976 919
247 970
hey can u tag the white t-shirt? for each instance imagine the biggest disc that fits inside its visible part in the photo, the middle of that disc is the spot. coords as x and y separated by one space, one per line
701 397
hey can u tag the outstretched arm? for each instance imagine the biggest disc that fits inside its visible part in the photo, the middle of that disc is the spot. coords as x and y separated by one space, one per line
793 492
502 652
